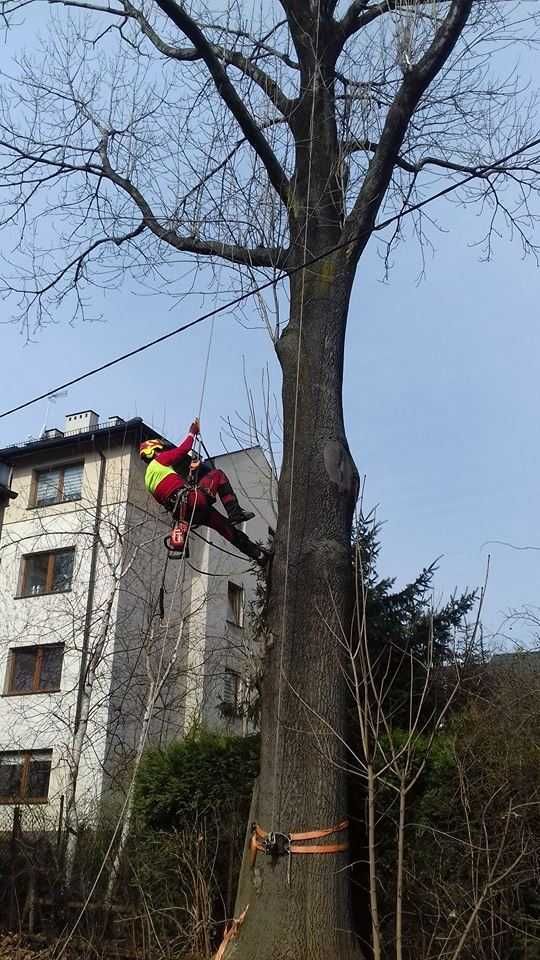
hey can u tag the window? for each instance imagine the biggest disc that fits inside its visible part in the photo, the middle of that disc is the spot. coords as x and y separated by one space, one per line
231 692
35 669
235 604
58 485
47 572
24 776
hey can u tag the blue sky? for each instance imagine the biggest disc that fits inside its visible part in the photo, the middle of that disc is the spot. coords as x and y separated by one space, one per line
441 398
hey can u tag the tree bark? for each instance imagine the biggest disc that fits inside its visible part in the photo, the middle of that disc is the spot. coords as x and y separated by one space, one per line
302 784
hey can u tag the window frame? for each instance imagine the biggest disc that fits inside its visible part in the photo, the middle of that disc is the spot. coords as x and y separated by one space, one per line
26 756
39 649
49 579
61 467
239 593
232 709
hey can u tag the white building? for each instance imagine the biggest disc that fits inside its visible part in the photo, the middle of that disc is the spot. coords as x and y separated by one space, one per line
81 564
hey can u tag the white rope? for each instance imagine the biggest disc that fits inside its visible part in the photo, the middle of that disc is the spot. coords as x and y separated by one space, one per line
295 422
206 364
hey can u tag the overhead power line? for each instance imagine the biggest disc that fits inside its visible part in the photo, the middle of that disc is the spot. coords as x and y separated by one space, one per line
477 173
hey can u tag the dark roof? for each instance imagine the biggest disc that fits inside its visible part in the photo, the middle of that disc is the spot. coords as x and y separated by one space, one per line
102 435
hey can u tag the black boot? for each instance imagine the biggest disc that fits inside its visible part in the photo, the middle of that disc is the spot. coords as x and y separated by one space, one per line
238 516
250 549
230 501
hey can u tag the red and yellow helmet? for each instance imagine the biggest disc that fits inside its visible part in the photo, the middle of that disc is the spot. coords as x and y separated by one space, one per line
149 448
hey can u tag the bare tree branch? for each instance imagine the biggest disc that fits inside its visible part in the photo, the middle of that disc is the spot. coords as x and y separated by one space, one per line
476 170
258 257
360 13
227 92
414 85
234 253
190 54
258 43
77 264
349 24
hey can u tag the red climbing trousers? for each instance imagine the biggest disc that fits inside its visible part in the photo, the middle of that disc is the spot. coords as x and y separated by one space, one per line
214 483
196 508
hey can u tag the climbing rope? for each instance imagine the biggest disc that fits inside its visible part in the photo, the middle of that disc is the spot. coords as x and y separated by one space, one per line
273 843
275 811
199 443
206 365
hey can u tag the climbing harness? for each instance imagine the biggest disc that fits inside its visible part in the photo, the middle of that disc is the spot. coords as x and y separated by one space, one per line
176 542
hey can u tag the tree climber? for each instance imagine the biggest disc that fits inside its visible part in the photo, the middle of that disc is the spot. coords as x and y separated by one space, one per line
171 471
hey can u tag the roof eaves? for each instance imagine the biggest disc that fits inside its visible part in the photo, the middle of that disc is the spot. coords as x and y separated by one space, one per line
135 425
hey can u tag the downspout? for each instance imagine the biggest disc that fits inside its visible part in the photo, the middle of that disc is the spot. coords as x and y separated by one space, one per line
91 591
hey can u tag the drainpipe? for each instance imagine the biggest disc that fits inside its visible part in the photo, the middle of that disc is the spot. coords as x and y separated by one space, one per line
91 590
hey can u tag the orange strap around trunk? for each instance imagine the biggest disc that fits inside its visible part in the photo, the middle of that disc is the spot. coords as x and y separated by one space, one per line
259 836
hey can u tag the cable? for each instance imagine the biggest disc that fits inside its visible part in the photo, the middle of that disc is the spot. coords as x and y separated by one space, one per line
480 172
215 546
207 573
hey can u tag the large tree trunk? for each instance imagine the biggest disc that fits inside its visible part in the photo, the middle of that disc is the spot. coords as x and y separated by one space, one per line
302 783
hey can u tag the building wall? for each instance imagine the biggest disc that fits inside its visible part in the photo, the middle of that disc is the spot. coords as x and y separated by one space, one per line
229 647
39 721
194 637
144 646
